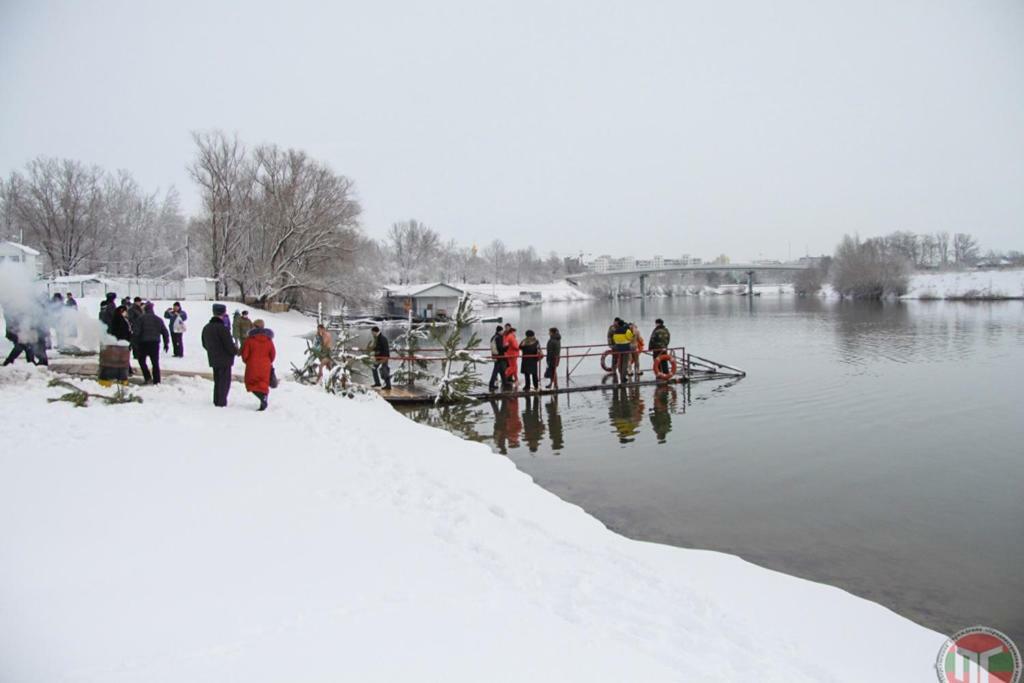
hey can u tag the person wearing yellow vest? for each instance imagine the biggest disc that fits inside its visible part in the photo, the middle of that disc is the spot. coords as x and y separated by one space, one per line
622 344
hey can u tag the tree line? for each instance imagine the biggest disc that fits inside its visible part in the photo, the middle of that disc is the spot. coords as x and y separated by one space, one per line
274 224
85 219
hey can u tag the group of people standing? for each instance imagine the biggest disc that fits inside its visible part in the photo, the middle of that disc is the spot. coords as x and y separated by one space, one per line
512 357
626 344
136 322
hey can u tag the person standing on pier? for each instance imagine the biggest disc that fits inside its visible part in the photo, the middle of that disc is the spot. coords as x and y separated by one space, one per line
530 348
554 353
498 356
638 348
660 340
622 345
381 356
512 354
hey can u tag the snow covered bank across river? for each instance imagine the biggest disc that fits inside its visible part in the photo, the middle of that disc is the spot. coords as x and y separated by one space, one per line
532 293
331 539
975 284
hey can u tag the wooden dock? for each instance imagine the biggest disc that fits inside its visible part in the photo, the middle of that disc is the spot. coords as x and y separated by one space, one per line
413 394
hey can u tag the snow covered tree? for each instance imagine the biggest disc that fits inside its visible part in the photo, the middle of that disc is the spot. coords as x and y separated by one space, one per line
413 247
332 368
58 206
455 384
408 346
225 178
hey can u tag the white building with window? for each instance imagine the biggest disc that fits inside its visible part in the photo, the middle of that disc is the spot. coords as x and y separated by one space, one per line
12 252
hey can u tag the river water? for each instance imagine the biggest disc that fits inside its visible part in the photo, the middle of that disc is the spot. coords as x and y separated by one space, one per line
878 447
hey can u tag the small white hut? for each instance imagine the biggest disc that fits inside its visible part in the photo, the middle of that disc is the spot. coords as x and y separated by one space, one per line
426 301
12 252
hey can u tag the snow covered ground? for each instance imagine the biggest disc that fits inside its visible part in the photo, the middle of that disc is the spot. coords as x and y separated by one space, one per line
975 284
332 539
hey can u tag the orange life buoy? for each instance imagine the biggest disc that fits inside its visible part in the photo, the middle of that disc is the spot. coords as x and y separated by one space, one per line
665 357
608 361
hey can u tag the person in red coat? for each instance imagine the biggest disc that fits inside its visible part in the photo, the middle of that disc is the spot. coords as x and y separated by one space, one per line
512 354
258 354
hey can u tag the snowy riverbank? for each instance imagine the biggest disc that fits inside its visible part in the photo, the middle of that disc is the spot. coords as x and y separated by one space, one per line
489 294
954 285
974 284
331 539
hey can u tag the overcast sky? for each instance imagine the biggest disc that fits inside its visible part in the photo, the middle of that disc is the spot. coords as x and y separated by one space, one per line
750 128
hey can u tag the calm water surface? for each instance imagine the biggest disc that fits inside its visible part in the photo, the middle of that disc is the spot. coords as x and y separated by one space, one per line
875 447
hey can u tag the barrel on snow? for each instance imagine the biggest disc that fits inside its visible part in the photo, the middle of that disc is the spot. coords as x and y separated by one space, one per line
114 360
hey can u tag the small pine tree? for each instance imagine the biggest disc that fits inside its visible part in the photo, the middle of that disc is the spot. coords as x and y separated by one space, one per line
456 384
408 345
333 368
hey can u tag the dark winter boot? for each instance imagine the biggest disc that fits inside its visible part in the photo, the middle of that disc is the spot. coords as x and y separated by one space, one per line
263 400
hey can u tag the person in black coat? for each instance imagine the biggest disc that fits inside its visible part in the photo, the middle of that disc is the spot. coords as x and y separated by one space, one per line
528 366
119 327
107 308
381 356
554 354
220 352
147 332
14 323
498 355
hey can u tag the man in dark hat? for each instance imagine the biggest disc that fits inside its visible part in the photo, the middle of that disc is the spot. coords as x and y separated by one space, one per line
220 352
107 308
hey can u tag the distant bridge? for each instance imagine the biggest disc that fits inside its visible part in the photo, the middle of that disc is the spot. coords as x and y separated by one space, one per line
642 273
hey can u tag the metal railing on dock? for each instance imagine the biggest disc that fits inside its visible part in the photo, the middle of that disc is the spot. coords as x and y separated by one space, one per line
669 365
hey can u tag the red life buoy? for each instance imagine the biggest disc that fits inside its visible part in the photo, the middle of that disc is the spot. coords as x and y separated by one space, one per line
672 366
608 361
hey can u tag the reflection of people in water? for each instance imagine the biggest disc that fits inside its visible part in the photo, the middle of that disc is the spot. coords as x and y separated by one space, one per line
533 426
626 413
661 413
498 436
554 424
507 424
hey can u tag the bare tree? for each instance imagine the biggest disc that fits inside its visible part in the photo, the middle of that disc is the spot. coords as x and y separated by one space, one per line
524 261
58 206
413 245
965 248
928 250
868 269
301 217
142 230
225 179
942 246
495 256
